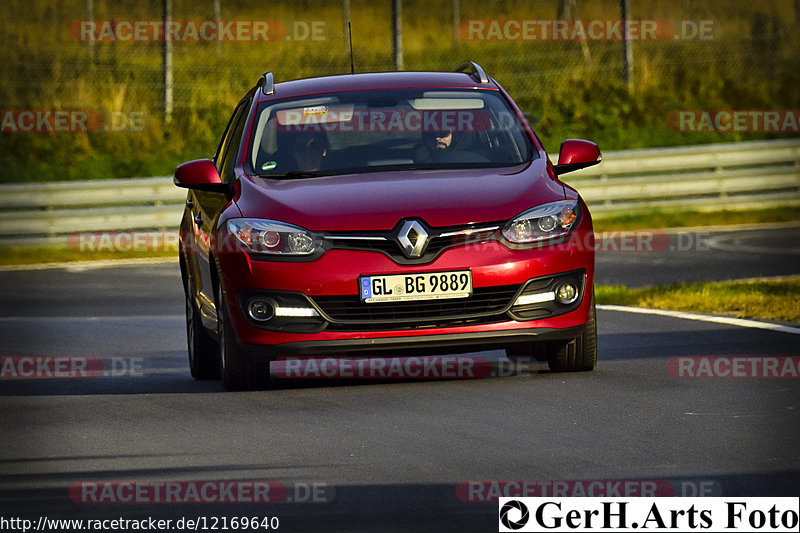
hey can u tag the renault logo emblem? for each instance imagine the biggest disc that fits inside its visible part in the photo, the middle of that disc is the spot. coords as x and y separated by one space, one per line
412 238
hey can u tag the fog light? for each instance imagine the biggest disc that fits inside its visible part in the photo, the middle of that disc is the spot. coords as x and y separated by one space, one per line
261 310
566 293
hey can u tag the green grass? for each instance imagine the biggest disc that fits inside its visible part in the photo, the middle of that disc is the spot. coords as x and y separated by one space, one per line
32 255
777 299
689 219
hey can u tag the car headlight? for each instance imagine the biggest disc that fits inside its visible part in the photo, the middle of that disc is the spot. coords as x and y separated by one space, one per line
543 223
273 237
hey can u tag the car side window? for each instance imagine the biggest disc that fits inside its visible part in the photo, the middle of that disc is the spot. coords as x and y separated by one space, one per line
231 139
223 143
229 159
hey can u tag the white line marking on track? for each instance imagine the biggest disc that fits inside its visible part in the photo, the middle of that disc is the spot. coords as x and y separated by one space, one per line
731 321
729 227
90 318
733 243
141 372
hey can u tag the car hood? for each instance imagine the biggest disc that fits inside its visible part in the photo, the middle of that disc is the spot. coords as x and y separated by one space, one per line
378 200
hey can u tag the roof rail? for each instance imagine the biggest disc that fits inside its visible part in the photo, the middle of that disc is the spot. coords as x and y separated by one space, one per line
475 71
266 83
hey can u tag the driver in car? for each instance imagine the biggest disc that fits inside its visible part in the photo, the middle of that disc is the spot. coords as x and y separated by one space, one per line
447 147
436 145
309 150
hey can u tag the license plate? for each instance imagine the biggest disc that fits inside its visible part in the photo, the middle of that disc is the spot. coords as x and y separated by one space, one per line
421 286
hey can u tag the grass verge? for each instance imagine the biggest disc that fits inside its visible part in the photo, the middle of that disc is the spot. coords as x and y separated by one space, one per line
32 255
767 299
690 219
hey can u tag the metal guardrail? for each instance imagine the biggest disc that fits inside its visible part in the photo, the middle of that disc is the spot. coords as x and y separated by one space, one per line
709 177
705 178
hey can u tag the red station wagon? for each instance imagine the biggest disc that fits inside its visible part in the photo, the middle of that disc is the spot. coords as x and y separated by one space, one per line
358 215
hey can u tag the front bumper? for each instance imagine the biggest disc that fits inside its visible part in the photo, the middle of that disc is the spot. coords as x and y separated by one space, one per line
455 342
335 275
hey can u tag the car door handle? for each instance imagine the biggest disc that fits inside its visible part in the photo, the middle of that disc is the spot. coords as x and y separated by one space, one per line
190 203
198 220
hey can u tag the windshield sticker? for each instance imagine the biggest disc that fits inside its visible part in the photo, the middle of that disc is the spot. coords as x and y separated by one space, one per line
269 165
321 114
315 111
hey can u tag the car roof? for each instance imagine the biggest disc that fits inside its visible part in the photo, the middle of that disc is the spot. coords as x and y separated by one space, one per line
375 81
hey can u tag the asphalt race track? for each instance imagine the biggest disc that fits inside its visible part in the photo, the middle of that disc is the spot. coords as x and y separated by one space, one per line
390 455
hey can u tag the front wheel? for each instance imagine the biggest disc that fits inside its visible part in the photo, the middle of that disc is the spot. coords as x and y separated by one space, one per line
236 367
202 348
578 354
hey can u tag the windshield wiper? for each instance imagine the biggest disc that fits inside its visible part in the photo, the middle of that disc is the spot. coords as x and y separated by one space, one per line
294 174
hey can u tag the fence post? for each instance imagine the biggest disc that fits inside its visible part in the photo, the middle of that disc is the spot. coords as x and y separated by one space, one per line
217 21
456 17
345 22
397 33
627 47
90 16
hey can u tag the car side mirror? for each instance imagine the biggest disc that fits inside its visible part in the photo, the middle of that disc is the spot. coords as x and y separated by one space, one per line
201 175
576 154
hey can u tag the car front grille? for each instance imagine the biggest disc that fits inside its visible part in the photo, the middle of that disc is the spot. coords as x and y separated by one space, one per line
390 247
484 302
440 239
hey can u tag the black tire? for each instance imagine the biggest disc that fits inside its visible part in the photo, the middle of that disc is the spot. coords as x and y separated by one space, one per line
203 363
579 354
236 367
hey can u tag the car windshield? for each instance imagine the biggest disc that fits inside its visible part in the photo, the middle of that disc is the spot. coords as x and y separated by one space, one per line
365 131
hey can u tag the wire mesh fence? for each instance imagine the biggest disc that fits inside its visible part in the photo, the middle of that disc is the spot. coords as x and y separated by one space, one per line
601 63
